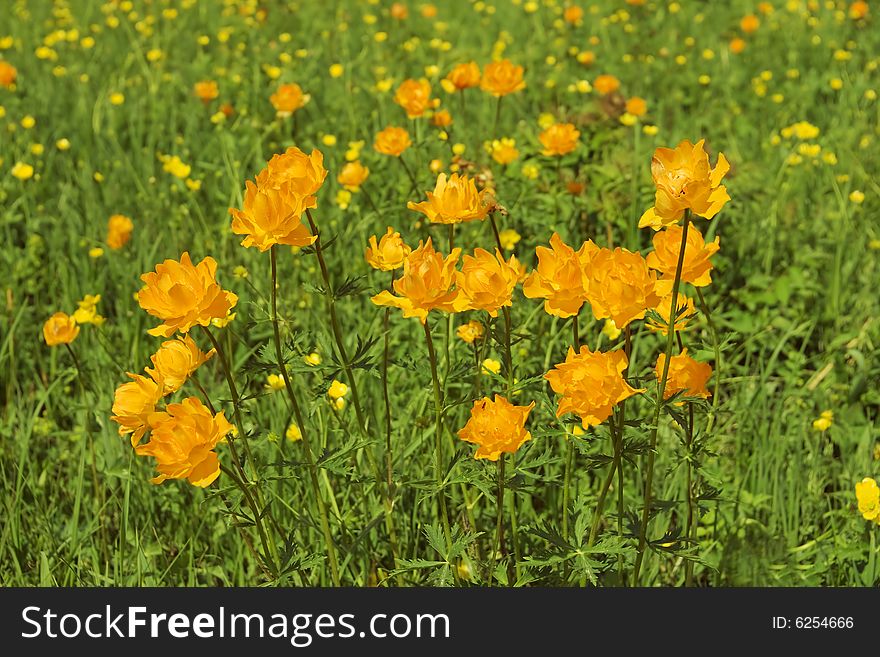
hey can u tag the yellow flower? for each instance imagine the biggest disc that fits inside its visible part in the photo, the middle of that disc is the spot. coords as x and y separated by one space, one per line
62 144
610 330
503 150
133 403
337 390
22 171
87 312
96 252
486 282
414 96
590 384
336 70
275 382
392 141
857 197
824 421
388 253
621 287
496 426
175 361
288 98
509 239
184 295
696 266
464 76
313 359
470 332
685 375
502 78
293 432
684 181
117 98
491 366
182 440
559 139
454 200
353 175
425 284
119 229
560 277
176 167
868 498
441 119
60 328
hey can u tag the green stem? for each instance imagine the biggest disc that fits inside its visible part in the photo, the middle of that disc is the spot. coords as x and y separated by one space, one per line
690 526
389 456
717 348
307 446
499 519
661 389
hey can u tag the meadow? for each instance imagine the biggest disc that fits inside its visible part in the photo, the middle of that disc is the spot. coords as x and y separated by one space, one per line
339 401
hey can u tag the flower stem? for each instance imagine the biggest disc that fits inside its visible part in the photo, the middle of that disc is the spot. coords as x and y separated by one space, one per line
717 347
307 446
389 456
412 178
499 519
661 389
690 526
570 455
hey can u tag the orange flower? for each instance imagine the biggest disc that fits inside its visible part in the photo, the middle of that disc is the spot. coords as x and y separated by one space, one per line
8 74
288 98
353 175
184 295
414 96
496 426
590 384
696 267
464 76
486 282
606 84
621 287
60 328
857 10
559 139
441 119
392 141
737 45
560 277
573 15
206 90
425 284
269 217
133 403
182 440
749 23
685 374
685 181
295 175
636 106
175 361
454 200
389 253
119 229
399 11
686 309
502 78
470 332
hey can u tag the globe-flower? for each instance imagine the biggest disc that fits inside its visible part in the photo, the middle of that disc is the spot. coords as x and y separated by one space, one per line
464 76
573 15
486 282
696 267
560 277
288 98
133 403
621 287
60 328
119 229
496 427
414 96
392 141
559 139
503 150
590 384
441 119
353 175
296 175
685 375
388 253
502 78
184 295
206 90
8 74
606 84
454 200
686 310
636 106
270 217
470 332
175 361
426 283
87 310
868 498
182 440
685 181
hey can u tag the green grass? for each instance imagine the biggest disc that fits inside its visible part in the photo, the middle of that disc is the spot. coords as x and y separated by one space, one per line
793 294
